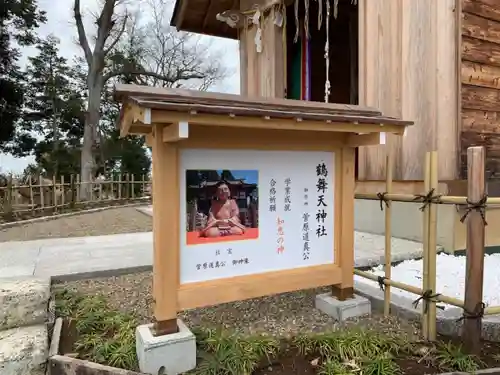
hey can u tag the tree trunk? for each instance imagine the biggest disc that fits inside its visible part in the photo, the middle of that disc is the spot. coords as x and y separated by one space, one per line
88 156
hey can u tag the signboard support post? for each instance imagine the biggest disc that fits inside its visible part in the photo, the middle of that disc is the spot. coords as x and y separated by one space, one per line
166 223
344 255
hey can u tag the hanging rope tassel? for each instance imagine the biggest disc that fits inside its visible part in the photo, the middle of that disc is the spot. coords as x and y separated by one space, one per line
306 19
327 52
297 26
320 13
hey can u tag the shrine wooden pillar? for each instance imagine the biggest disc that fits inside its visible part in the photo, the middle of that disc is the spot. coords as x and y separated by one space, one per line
262 69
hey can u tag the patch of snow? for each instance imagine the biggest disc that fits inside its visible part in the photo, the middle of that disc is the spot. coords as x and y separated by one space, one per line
450 277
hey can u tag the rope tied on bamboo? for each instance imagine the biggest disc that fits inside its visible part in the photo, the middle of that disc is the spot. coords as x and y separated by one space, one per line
477 313
479 206
381 282
427 297
383 199
427 199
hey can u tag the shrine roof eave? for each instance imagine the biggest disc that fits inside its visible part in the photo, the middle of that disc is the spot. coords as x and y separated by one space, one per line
199 16
143 106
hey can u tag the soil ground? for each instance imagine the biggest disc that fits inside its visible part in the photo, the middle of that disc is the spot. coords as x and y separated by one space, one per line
293 363
111 221
283 316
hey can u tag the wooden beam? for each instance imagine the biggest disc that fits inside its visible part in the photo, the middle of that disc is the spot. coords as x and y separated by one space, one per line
138 128
126 121
176 132
149 140
213 292
136 120
167 117
356 140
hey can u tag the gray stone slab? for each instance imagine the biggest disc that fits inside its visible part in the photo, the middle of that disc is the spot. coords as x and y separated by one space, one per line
24 351
23 301
17 271
369 249
18 257
127 250
147 210
53 255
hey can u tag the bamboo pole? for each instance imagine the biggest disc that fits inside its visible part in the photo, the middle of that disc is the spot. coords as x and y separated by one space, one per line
91 199
8 209
143 186
112 197
475 249
410 288
446 199
133 185
493 310
73 191
77 185
63 192
32 199
120 186
127 186
425 238
388 232
54 193
432 243
42 195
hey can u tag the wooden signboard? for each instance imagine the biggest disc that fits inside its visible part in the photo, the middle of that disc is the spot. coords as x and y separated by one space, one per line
250 197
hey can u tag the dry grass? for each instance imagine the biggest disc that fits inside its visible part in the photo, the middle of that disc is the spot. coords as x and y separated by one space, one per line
110 221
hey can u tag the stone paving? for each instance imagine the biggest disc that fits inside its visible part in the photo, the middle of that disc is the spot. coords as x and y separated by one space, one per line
68 258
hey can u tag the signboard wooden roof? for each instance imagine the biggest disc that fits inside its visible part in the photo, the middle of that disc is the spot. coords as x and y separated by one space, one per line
199 16
144 106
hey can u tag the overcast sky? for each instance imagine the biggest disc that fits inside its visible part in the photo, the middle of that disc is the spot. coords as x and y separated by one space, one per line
60 23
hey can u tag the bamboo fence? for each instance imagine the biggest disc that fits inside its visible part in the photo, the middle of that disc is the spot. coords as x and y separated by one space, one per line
474 217
53 195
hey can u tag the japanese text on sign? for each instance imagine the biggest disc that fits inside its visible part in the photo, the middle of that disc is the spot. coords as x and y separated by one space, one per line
272 196
288 199
322 189
306 251
281 236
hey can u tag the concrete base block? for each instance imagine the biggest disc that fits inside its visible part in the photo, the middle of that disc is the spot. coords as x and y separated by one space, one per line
170 354
342 310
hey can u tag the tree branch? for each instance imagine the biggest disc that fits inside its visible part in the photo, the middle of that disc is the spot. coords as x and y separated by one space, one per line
161 77
82 36
118 36
104 25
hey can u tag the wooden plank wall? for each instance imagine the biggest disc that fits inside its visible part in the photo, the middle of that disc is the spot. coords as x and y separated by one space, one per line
262 74
408 53
480 91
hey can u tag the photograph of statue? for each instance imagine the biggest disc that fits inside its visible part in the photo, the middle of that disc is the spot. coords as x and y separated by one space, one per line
222 205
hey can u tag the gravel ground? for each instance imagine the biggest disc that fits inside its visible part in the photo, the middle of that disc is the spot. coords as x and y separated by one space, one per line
280 315
110 221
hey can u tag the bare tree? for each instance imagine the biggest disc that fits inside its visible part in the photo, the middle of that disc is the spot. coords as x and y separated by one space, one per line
176 59
152 54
